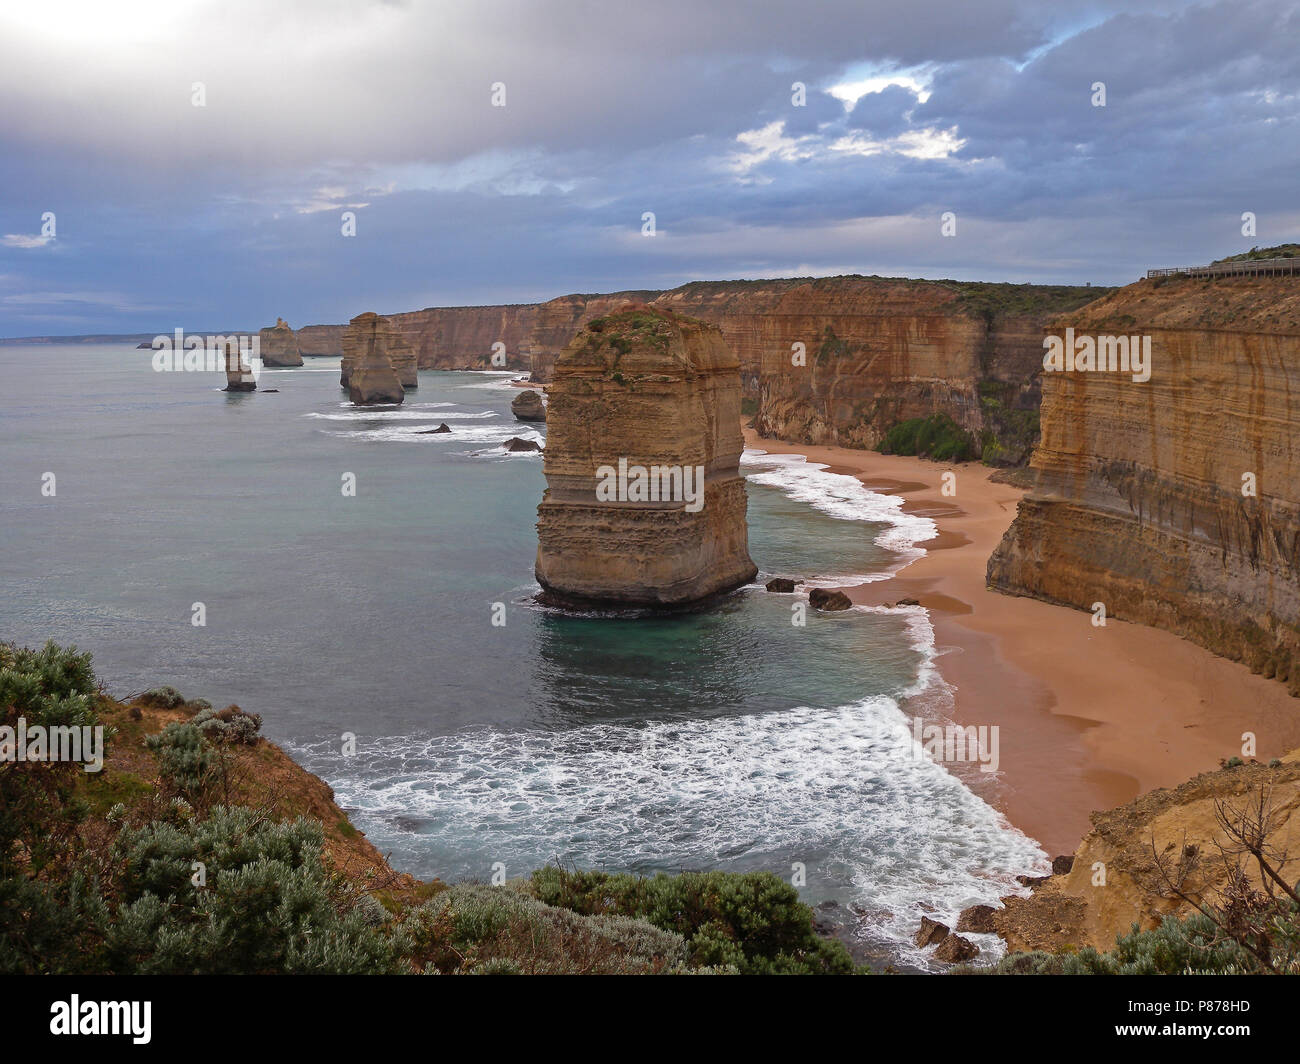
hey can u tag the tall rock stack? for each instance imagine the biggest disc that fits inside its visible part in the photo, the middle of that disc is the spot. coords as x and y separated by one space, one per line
239 374
644 505
279 346
1175 501
368 371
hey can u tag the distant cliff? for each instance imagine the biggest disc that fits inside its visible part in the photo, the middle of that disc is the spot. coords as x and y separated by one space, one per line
1176 502
876 351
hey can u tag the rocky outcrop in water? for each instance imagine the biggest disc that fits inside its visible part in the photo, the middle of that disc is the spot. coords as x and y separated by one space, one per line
368 364
1175 502
279 346
528 406
644 504
239 374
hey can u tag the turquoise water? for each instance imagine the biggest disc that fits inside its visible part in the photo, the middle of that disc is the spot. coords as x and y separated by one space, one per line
729 738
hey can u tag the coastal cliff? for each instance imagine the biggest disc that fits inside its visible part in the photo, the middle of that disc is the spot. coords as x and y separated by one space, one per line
878 351
640 392
1175 502
875 351
316 341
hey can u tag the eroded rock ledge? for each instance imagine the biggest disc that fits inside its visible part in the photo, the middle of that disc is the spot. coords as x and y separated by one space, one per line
643 390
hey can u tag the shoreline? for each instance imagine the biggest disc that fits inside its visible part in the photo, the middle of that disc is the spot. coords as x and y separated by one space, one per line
1088 718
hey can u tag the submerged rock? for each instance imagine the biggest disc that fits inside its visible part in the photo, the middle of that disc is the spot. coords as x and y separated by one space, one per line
441 428
368 364
279 346
781 585
528 406
644 505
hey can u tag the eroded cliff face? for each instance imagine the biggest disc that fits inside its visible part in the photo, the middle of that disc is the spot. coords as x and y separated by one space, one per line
877 351
1139 500
279 345
642 391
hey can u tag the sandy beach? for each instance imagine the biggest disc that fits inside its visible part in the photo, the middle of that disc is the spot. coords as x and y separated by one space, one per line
1088 717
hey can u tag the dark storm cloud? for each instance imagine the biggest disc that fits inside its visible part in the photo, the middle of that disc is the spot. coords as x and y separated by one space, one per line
229 214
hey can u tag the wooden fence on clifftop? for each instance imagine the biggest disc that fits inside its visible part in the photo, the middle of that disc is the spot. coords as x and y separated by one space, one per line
1260 267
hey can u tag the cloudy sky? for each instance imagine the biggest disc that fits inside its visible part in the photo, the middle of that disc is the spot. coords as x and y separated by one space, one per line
228 214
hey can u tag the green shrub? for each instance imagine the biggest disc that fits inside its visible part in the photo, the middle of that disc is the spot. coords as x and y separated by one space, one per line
268 903
482 930
753 922
50 687
1190 946
187 762
229 725
165 697
936 436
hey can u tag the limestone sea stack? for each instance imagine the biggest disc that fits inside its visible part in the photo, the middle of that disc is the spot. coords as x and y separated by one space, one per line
528 406
279 346
368 365
239 374
644 504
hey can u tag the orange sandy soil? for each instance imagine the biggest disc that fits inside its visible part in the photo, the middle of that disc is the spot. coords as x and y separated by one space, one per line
1089 718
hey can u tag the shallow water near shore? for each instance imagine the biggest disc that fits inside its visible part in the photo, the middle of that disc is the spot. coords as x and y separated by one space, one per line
729 738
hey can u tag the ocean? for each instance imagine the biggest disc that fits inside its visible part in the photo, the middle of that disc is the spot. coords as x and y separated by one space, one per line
729 738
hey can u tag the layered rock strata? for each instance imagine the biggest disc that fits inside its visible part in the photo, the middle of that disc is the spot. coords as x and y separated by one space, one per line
644 505
367 355
1175 502
402 356
841 360
278 345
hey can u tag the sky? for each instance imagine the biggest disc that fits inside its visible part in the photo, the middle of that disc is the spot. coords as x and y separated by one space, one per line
191 164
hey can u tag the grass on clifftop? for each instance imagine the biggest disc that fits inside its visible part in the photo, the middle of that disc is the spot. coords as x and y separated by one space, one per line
991 300
1277 251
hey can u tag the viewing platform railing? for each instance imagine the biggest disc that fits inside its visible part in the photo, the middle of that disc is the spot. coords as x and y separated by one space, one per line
1262 267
